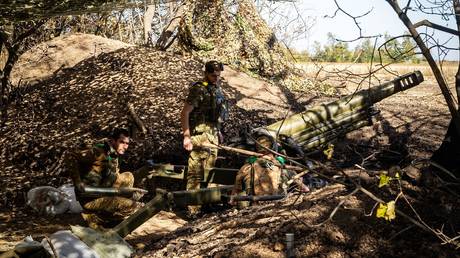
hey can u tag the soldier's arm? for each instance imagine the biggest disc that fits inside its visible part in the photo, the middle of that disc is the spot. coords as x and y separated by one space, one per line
240 176
185 118
74 162
192 101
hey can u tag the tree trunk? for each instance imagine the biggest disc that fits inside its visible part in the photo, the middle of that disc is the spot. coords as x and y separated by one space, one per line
448 154
426 53
457 76
12 44
148 17
5 83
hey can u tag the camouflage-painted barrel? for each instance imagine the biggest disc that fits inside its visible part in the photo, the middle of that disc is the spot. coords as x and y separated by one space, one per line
322 123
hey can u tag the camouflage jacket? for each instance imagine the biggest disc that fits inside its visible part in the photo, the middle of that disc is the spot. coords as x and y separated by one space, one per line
260 176
209 108
96 166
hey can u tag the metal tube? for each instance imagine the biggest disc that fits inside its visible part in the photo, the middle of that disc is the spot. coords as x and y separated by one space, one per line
200 196
339 124
361 99
92 191
142 215
331 135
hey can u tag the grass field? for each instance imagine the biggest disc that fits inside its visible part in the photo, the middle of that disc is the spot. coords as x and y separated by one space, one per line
348 74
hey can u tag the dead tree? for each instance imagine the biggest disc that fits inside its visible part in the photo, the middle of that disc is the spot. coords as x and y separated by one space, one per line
449 151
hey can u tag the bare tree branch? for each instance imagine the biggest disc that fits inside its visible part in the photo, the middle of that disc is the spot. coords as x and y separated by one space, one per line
426 53
436 26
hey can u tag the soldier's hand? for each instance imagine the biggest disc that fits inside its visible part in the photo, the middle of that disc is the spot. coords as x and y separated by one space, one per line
188 143
232 201
220 136
80 187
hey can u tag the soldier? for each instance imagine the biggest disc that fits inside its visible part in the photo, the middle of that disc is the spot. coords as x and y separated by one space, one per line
99 166
201 117
264 175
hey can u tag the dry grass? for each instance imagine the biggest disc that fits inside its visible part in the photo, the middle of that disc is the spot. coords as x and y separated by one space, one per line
352 74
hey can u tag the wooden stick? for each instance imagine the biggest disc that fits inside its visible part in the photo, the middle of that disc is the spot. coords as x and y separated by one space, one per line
136 118
245 152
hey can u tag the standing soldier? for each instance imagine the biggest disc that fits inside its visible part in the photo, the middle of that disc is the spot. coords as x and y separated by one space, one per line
201 117
99 166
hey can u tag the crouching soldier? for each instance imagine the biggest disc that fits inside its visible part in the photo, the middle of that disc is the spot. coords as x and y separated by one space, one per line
99 167
264 175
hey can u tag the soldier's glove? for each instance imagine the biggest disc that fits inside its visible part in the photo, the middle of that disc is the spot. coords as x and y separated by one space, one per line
137 195
80 187
109 178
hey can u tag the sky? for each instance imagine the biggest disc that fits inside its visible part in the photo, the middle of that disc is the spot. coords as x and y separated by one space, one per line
381 19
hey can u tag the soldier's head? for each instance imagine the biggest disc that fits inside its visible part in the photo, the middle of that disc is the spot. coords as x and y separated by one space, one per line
120 140
212 71
263 143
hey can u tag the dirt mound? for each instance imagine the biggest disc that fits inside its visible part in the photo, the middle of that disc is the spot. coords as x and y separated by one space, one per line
62 52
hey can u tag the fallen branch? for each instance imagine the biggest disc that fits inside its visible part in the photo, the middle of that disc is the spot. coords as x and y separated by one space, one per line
248 153
137 119
421 224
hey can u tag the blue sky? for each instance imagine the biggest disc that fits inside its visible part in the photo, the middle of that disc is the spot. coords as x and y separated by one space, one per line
382 19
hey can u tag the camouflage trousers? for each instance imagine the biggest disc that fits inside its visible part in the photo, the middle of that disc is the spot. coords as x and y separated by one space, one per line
200 161
111 209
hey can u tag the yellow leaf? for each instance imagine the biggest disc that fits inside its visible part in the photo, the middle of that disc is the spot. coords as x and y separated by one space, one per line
390 213
397 175
384 180
329 151
381 210
386 211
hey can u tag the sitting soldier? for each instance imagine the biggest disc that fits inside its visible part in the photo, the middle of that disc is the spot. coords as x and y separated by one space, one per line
99 167
264 175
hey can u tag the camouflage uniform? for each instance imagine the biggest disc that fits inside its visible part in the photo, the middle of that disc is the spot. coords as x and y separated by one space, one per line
259 176
264 175
99 166
207 101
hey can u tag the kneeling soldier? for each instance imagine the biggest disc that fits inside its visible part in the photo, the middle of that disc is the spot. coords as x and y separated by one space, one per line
99 167
264 175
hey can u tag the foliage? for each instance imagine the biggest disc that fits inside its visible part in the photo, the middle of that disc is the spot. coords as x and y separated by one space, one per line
401 49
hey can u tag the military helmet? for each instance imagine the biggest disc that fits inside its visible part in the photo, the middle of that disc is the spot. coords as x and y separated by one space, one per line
212 66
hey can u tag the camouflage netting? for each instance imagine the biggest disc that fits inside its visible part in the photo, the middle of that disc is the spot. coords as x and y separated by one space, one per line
82 104
234 32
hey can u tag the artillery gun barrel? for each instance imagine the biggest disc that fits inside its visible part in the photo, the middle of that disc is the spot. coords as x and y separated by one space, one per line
359 100
331 135
340 123
165 200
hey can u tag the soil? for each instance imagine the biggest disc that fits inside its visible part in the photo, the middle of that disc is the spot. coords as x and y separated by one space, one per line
63 108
